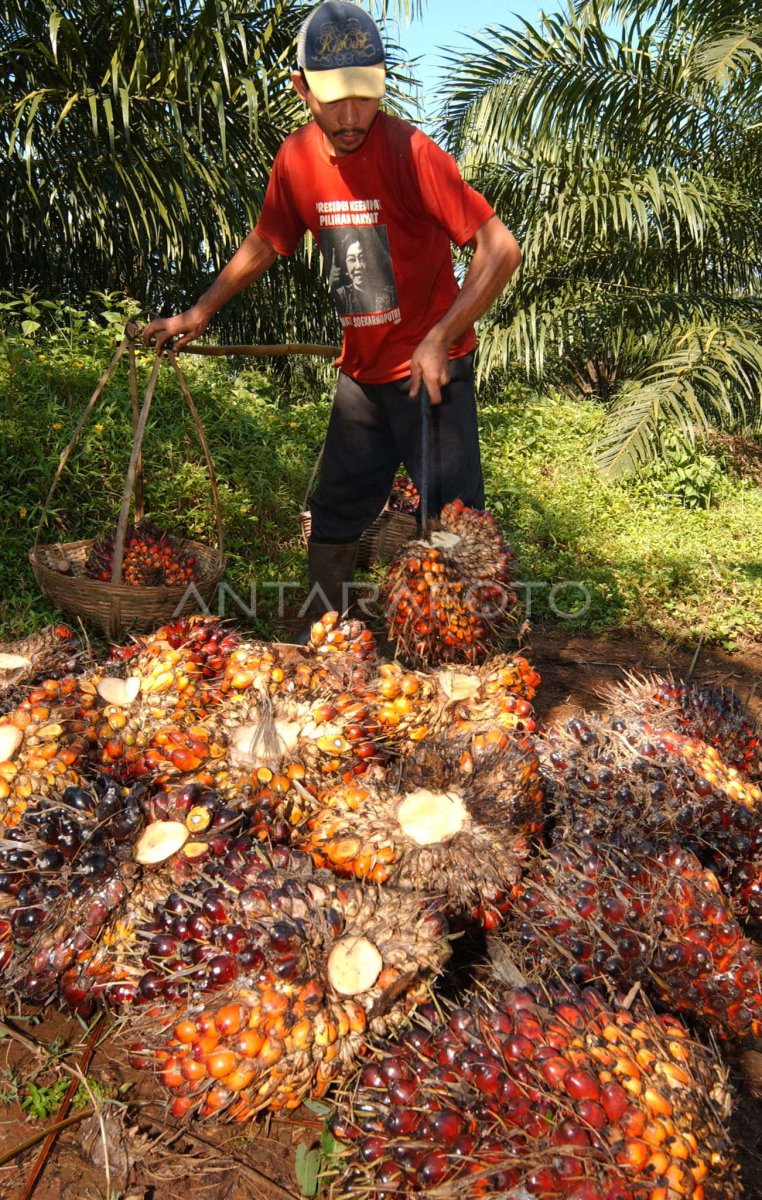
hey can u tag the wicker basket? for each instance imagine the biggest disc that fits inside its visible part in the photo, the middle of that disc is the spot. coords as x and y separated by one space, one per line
114 606
381 540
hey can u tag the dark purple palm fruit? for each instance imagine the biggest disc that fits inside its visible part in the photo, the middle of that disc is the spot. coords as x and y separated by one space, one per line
264 984
541 1094
610 777
631 913
714 715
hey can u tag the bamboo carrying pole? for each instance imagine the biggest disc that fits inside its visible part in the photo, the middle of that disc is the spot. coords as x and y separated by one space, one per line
306 348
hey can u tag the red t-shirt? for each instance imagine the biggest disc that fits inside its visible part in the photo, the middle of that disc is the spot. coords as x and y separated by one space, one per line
384 217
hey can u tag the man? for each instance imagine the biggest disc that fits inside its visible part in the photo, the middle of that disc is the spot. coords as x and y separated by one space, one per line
349 173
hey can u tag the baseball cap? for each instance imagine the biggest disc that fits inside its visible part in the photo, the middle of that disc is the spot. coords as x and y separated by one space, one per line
341 53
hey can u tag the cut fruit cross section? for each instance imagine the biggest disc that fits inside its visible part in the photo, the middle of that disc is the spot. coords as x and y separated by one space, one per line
354 965
14 662
159 841
431 817
120 692
10 740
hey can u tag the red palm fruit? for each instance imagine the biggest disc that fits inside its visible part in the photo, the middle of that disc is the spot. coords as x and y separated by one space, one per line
625 777
702 712
556 1144
449 597
681 962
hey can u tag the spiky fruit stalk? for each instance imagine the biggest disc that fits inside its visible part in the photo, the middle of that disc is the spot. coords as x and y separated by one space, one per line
610 777
285 976
634 915
709 714
48 654
456 824
448 597
525 1093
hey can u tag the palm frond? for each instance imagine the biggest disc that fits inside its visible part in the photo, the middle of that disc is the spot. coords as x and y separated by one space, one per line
711 371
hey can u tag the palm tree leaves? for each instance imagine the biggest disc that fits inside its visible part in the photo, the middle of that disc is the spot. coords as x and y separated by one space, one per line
629 167
138 139
708 372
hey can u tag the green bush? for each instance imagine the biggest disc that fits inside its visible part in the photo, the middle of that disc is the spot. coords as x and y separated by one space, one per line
646 557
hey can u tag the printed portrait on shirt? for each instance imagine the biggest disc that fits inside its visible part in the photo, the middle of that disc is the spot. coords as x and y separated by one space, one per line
359 269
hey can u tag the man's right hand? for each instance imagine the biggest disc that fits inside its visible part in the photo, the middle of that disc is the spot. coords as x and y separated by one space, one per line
185 328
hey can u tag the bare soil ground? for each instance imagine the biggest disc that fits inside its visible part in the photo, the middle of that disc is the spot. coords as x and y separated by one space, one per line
151 1158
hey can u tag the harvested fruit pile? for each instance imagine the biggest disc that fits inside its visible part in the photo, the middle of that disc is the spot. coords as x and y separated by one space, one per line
152 558
265 856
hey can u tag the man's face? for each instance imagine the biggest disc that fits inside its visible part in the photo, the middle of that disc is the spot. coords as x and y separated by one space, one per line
345 123
356 264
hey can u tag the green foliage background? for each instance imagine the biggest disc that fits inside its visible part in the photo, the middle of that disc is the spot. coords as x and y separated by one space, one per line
621 142
679 552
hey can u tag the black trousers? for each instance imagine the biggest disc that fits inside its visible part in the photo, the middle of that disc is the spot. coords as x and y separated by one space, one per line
375 427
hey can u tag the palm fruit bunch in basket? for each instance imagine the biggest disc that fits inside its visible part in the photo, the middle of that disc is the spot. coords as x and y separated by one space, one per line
448 595
709 714
404 496
616 775
531 1093
629 914
284 974
451 822
152 558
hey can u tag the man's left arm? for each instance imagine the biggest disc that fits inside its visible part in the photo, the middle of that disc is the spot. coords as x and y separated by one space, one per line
496 257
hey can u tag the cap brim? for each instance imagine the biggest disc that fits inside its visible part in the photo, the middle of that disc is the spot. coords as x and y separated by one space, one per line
366 83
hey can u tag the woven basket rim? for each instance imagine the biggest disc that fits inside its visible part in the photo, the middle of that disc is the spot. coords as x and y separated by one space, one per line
209 571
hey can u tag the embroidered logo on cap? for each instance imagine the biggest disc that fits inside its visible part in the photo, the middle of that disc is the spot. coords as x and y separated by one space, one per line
343 45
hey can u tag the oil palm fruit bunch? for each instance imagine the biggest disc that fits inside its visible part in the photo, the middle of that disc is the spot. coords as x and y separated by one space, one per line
498 693
698 710
614 775
330 739
341 654
632 914
404 496
150 705
448 596
61 875
47 654
402 706
409 705
179 834
152 558
41 750
452 823
286 973
537 1093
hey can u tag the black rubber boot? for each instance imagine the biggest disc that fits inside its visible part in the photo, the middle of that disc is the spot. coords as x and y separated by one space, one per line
331 569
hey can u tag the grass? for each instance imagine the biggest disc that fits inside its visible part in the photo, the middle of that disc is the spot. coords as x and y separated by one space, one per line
678 552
